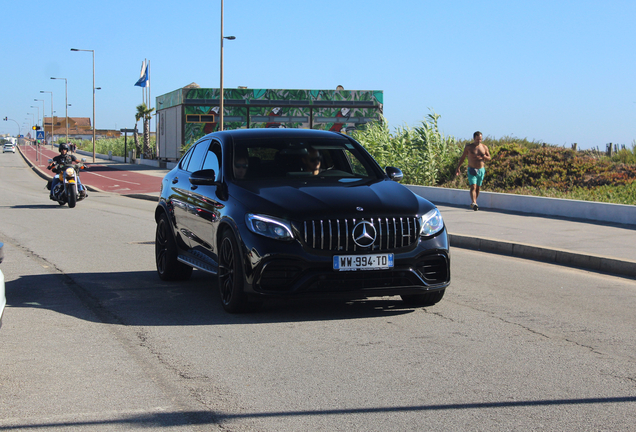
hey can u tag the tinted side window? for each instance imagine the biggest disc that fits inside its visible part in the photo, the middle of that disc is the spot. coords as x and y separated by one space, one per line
185 159
212 159
198 155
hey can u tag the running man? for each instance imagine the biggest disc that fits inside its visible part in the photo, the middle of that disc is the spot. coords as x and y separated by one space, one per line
477 154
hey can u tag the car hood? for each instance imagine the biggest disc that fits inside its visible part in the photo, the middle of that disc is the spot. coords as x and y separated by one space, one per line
309 201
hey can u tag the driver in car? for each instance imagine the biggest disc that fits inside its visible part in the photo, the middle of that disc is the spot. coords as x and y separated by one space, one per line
312 161
240 167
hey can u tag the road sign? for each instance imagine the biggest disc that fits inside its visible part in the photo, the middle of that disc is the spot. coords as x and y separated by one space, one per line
39 135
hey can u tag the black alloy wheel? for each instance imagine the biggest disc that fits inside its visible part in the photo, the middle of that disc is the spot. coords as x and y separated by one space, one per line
230 275
168 267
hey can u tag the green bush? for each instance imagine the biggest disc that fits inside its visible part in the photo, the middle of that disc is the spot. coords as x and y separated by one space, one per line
116 145
626 155
519 166
423 153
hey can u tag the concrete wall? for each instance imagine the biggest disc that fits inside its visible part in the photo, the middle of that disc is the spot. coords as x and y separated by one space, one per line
588 210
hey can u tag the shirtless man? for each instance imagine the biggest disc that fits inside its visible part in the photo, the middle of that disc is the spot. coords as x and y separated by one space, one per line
477 154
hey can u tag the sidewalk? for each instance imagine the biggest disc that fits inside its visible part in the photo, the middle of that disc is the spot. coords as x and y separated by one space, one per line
608 248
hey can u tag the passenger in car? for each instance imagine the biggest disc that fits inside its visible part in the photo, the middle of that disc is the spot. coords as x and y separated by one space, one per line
312 161
240 167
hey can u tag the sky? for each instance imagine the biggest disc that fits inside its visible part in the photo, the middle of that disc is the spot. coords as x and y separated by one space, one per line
559 72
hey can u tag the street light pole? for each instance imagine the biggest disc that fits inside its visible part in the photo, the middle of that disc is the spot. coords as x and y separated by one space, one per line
221 86
32 119
92 51
38 119
19 130
66 103
51 114
32 124
43 115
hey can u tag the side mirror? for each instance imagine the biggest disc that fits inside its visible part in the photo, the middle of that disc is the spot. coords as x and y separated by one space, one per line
83 160
206 177
394 173
50 160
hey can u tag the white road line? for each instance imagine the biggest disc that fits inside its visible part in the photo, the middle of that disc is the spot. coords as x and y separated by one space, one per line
110 178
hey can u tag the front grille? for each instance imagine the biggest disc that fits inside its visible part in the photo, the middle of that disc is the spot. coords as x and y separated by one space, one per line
337 234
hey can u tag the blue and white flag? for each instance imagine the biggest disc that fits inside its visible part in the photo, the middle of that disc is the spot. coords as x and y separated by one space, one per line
144 75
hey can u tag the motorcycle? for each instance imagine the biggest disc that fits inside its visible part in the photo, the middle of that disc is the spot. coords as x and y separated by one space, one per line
68 190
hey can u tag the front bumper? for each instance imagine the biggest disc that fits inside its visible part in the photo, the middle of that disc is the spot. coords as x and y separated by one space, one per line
292 271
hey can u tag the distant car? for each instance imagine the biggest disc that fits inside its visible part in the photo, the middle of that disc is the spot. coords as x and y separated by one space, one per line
297 212
8 148
3 299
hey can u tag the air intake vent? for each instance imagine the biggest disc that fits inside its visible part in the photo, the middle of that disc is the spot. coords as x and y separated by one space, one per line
434 269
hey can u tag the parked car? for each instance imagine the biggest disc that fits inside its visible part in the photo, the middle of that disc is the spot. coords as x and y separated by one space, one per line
8 148
3 299
297 212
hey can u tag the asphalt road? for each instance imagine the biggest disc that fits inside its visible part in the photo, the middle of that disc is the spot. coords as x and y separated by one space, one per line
93 340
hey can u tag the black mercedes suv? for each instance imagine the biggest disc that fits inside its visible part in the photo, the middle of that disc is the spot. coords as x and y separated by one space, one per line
297 212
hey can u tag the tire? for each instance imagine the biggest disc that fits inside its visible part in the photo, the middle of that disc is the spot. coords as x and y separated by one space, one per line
166 252
71 197
428 299
230 275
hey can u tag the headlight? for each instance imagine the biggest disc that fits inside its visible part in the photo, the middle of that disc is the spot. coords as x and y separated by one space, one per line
269 226
70 172
431 223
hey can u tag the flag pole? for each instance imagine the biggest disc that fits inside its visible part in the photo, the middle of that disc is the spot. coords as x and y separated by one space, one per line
149 98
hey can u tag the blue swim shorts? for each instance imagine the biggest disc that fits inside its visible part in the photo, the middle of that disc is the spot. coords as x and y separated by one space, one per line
476 176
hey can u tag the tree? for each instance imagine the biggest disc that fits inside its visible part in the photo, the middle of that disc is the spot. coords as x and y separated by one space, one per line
144 113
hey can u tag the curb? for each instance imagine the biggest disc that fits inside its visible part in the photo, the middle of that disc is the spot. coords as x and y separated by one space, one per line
146 197
548 255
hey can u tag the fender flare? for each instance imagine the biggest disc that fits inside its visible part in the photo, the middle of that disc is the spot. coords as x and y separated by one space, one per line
164 208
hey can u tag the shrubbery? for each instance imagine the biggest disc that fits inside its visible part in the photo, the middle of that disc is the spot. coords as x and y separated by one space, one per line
519 166
116 145
423 153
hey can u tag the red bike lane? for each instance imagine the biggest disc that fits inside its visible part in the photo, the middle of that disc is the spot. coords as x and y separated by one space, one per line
122 178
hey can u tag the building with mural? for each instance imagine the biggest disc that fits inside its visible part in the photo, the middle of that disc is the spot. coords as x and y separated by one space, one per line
187 114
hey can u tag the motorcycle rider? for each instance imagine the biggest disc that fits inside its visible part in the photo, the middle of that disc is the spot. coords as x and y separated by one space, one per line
64 158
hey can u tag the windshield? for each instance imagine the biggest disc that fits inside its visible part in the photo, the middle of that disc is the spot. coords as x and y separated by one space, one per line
319 159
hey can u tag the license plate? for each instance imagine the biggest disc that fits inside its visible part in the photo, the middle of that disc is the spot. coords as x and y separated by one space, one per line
362 262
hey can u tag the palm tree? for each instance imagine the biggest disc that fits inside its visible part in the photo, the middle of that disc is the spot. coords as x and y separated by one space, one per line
145 113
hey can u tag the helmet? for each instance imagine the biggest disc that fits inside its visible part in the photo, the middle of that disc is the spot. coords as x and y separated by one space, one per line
63 147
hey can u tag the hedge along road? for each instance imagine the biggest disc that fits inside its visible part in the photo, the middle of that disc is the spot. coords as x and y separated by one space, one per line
93 340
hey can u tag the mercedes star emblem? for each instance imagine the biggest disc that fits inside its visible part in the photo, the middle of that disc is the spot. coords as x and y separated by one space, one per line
364 234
